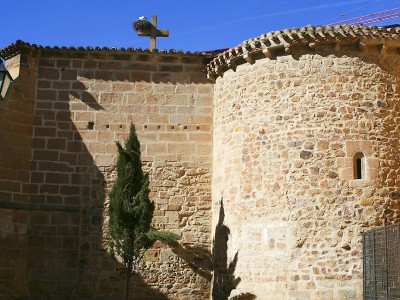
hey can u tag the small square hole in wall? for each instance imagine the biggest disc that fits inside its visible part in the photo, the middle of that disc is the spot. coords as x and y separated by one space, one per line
107 126
185 127
120 126
172 127
90 125
145 126
159 127
198 127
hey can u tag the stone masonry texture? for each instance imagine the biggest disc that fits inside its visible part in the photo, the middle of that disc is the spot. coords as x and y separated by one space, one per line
258 163
60 123
285 133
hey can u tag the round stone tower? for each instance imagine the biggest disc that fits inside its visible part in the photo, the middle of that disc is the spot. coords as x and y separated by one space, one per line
306 156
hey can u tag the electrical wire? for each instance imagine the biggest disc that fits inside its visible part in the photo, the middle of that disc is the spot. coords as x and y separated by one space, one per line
353 10
343 14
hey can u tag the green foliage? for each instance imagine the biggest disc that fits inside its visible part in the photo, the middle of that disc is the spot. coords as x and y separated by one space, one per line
164 236
131 210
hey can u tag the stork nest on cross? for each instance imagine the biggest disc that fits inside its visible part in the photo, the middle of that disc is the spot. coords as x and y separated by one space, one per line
142 25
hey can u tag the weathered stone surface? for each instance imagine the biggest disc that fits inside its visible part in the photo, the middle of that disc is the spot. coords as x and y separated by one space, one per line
292 204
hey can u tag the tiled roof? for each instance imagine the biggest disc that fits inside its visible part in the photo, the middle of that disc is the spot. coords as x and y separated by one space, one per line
276 41
20 46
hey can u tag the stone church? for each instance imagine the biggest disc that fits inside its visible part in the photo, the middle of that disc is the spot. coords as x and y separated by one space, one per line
269 159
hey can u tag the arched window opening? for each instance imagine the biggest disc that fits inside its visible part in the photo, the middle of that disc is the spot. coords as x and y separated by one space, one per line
359 166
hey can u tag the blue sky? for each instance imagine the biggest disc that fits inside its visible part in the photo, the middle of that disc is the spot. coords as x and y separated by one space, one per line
193 25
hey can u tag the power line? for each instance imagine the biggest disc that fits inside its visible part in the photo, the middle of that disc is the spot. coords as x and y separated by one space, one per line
353 10
372 18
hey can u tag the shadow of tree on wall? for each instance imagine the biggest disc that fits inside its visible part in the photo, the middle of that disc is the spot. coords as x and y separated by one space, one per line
214 266
224 280
198 258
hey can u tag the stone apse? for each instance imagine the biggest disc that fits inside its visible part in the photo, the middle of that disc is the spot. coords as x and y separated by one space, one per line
287 144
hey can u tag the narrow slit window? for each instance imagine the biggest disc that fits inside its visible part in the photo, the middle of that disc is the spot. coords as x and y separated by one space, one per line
359 166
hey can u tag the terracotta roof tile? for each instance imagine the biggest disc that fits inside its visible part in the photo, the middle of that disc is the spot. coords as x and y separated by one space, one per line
21 46
309 36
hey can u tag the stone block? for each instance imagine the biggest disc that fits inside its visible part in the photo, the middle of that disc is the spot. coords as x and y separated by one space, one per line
345 162
184 148
48 73
352 147
70 242
53 242
156 148
47 95
140 76
45 132
45 155
10 186
52 177
43 230
63 230
346 173
366 201
200 137
89 64
205 119
39 218
54 166
110 65
36 242
49 189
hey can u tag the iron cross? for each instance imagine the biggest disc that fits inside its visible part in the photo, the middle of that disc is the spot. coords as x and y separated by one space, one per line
154 32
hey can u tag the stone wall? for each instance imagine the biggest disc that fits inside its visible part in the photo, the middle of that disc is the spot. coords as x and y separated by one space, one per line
84 102
286 132
16 127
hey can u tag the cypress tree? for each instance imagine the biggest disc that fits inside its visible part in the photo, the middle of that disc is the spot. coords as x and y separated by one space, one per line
131 210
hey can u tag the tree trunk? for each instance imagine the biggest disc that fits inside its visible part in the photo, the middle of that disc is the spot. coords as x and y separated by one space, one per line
128 279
